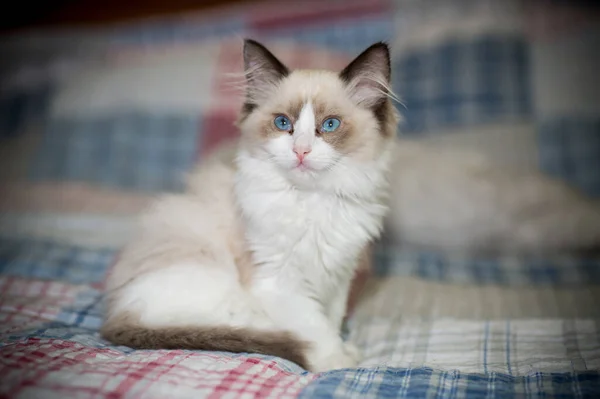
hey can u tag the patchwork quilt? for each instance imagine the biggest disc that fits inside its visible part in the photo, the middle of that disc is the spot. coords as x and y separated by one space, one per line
94 123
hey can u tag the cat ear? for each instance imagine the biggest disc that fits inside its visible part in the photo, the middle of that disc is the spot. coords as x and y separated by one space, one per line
262 69
368 76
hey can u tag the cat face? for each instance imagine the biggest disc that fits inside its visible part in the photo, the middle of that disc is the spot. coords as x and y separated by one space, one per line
313 122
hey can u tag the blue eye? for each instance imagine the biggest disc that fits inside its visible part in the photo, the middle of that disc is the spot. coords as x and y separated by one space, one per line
330 125
283 123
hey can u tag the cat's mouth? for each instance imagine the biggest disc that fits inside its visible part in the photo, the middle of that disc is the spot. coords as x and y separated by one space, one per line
304 170
301 166
308 167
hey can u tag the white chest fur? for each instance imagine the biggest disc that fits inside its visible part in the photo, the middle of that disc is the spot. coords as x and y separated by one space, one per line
303 239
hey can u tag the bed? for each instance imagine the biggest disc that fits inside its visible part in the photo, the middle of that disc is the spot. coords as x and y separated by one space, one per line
95 122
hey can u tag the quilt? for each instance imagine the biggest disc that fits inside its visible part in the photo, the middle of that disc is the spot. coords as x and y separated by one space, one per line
94 123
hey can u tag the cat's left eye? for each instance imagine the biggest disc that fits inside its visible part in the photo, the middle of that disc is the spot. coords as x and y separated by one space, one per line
330 124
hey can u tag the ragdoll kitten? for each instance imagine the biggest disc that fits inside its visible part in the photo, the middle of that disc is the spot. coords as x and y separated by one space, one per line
259 252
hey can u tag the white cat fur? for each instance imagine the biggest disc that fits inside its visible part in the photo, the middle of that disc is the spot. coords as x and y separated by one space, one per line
256 242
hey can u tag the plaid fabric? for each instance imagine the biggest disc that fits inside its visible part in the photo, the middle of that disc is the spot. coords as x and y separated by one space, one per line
475 346
51 310
454 75
148 144
566 92
135 150
72 264
569 149
461 83
571 271
425 382
50 313
464 66
156 99
76 264
42 367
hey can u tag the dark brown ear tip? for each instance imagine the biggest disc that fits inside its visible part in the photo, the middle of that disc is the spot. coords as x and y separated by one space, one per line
384 49
251 42
256 54
381 46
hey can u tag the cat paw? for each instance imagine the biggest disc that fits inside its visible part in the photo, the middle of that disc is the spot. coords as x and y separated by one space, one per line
346 358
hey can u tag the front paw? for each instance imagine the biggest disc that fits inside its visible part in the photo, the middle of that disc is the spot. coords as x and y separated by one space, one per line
344 358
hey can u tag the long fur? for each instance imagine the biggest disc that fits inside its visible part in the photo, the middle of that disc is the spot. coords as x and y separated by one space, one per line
258 254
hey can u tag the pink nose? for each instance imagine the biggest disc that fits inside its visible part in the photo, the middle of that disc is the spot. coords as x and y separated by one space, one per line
301 153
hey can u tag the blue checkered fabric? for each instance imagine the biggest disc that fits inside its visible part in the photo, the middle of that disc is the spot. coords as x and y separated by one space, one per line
457 83
510 271
136 150
47 260
390 382
569 148
85 312
74 264
80 320
566 92
453 84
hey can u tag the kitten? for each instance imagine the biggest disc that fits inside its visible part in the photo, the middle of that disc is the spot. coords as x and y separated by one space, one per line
259 252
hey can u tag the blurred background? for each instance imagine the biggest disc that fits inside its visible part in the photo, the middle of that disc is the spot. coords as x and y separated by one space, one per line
516 80
105 104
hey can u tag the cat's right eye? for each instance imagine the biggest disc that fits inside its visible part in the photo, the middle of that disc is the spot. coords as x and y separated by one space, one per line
283 123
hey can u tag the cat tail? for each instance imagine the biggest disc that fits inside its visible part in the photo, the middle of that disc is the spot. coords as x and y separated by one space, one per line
214 338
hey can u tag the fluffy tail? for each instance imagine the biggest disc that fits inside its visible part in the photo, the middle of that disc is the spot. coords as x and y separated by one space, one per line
228 339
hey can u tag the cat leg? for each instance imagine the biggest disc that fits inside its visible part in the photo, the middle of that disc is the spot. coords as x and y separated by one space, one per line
338 306
336 309
308 319
336 313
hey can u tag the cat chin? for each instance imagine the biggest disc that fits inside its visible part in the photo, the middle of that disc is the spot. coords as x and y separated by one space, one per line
309 170
302 174
310 179
306 169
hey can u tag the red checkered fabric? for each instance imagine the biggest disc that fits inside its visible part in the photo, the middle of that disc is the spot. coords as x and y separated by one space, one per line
26 303
50 347
60 368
